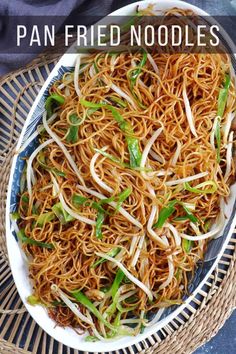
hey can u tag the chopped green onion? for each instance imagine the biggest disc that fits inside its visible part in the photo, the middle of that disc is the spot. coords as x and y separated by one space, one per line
135 72
197 189
45 218
132 142
142 327
116 283
33 300
15 216
72 136
122 197
79 200
190 206
116 324
218 138
134 151
58 172
223 95
222 100
118 101
91 111
91 339
61 213
52 101
34 210
111 253
187 245
119 198
41 158
111 157
96 67
182 218
178 273
165 213
24 239
82 299
25 199
189 215
99 223
121 163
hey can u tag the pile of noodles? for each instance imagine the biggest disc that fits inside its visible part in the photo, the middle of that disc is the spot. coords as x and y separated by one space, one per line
172 109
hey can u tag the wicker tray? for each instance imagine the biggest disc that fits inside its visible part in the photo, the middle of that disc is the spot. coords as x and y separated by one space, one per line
197 323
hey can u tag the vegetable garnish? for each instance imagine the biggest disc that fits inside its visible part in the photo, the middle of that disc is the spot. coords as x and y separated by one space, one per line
111 253
222 100
132 142
84 300
45 218
128 274
42 161
119 198
115 286
24 239
111 157
72 135
25 199
198 189
167 211
223 95
218 137
189 215
52 101
134 73
79 200
33 300
61 213
99 223
187 245
15 215
133 76
118 101
91 339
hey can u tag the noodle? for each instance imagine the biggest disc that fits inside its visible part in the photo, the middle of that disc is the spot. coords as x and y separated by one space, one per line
126 187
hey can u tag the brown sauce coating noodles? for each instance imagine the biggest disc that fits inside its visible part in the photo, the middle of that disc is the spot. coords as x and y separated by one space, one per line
157 103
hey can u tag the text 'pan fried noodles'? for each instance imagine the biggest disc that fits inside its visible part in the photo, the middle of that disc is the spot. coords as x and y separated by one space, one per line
126 187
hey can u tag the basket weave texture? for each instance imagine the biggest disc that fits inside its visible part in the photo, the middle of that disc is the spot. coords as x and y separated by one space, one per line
18 331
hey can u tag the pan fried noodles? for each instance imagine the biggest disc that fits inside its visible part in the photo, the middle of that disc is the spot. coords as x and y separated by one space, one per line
126 187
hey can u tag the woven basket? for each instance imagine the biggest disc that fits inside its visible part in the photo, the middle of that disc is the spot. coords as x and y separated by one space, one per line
197 323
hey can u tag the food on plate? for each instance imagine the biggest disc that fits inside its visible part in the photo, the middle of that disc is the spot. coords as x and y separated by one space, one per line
126 187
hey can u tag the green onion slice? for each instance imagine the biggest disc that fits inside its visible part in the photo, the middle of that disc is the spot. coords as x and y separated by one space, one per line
199 188
24 239
61 213
132 142
53 101
111 253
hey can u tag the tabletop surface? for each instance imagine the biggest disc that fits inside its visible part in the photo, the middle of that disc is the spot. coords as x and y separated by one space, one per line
225 340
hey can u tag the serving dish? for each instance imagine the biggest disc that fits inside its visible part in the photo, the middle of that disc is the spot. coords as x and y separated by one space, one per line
17 261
